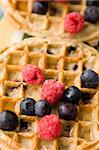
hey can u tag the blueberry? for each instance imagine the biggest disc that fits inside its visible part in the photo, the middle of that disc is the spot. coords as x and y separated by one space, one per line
86 97
75 66
91 14
89 79
72 95
40 8
23 125
27 107
8 120
71 49
42 108
93 3
67 111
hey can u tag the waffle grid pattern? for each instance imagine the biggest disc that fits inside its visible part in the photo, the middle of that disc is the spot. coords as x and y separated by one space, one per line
51 24
56 63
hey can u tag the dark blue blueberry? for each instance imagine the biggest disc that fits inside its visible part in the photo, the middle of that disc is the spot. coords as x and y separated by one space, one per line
27 107
71 49
42 108
8 120
91 14
75 66
86 97
23 125
67 111
40 7
89 79
72 95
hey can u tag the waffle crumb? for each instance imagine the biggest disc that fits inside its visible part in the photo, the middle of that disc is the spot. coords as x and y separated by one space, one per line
73 22
52 91
50 127
32 74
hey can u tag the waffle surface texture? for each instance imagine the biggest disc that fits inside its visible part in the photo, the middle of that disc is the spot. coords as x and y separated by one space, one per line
52 23
52 57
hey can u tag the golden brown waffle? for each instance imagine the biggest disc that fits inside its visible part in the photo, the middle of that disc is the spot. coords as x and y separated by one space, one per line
51 24
52 57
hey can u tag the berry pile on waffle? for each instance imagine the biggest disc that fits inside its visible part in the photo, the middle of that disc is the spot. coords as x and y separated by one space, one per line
77 19
49 96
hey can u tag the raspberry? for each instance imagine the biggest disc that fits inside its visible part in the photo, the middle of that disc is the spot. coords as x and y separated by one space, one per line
50 127
32 74
52 91
73 22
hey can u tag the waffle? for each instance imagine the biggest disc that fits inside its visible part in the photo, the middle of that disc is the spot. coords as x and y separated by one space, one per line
51 24
51 56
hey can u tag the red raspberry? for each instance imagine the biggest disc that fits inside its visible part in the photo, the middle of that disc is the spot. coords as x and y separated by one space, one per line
52 91
74 22
50 127
32 74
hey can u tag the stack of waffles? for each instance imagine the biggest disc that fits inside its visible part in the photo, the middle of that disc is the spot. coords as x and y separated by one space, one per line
53 59
52 23
49 50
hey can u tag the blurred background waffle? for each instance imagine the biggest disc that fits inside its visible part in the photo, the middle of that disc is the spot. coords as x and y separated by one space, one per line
52 56
20 12
7 30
